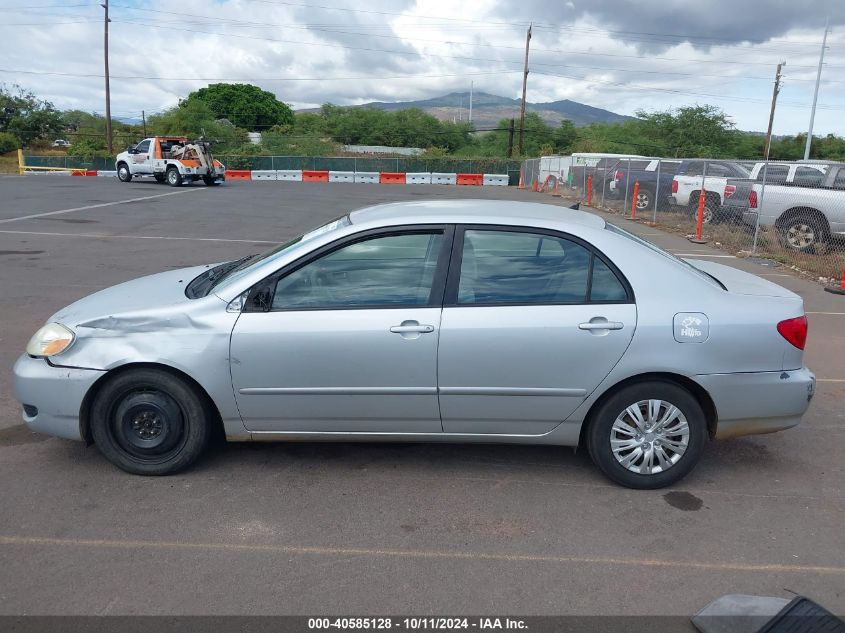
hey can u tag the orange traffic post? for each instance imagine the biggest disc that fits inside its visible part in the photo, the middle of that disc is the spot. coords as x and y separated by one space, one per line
841 289
589 190
636 195
699 220
521 184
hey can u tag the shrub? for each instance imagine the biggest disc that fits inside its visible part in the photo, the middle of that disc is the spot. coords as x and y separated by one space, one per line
8 142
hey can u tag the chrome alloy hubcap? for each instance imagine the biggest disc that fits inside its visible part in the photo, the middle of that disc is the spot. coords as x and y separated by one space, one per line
649 437
642 200
800 235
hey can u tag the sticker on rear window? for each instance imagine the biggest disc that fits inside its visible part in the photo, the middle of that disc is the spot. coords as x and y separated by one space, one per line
691 327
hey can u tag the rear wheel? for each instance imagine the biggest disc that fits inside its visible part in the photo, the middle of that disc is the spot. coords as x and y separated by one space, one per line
174 178
645 199
648 435
803 233
123 173
149 422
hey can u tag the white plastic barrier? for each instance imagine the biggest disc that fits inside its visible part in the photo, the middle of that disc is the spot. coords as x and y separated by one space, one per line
496 180
289 174
371 177
263 174
47 173
341 176
443 179
106 173
421 178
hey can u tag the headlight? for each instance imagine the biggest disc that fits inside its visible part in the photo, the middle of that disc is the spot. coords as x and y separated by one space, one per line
50 340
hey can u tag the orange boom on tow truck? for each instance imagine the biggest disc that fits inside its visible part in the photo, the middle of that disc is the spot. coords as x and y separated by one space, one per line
170 159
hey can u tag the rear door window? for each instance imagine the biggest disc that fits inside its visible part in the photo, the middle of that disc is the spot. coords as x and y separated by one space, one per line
808 177
774 174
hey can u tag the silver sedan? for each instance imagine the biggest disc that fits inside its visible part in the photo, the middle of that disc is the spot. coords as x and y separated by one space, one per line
448 321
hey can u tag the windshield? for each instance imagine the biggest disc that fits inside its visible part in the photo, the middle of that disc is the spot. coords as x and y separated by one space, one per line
245 265
615 229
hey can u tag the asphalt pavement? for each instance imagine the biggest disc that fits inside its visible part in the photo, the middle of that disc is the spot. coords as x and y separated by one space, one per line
307 528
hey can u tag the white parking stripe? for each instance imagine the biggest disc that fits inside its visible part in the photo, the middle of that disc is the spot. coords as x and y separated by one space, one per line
830 380
703 255
830 313
97 206
137 237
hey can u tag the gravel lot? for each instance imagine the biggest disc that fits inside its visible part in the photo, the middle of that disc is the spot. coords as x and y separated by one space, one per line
374 529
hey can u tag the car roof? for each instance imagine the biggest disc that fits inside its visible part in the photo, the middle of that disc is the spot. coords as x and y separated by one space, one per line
474 212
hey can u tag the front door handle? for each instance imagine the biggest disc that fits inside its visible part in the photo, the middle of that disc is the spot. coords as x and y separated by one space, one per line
412 327
601 325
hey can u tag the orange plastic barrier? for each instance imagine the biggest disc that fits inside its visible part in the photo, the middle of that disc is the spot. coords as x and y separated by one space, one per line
238 174
84 172
470 179
314 176
391 178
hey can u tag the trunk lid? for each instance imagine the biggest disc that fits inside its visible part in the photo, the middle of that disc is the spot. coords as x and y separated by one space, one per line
741 282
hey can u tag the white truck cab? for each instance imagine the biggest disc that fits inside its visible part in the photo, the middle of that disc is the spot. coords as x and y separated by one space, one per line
171 159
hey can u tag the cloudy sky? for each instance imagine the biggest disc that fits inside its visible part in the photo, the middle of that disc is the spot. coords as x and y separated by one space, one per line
613 54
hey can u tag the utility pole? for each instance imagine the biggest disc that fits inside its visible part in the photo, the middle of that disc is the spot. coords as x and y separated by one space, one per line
510 139
775 93
470 100
106 21
144 121
524 88
816 93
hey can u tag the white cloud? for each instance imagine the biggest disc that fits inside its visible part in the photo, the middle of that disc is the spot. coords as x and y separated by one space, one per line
579 52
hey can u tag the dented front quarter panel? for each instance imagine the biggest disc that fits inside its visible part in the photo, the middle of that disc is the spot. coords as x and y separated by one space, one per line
191 336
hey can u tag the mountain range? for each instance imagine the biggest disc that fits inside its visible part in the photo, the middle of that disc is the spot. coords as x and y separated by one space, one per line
488 109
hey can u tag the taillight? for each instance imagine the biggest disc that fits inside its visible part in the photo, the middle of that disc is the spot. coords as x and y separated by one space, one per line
729 191
619 175
794 331
674 186
752 199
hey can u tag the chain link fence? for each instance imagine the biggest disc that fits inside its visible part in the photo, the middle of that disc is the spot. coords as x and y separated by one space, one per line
791 213
328 163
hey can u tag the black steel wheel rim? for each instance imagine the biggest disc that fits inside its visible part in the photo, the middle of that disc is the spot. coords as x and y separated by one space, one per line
148 424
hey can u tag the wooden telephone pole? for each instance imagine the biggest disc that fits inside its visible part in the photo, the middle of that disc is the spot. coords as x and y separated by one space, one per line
105 6
775 93
524 88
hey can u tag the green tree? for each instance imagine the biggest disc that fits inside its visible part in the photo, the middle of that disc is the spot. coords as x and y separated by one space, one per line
194 119
245 105
27 117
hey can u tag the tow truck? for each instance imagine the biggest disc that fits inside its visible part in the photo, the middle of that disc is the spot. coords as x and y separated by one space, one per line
170 159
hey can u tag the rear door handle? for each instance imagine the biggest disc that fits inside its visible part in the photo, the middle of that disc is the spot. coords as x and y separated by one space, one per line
413 329
601 325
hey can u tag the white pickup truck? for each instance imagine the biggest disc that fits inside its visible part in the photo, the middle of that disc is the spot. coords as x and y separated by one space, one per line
687 185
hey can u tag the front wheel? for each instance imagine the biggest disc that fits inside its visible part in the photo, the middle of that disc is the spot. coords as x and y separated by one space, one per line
150 422
648 435
174 178
123 173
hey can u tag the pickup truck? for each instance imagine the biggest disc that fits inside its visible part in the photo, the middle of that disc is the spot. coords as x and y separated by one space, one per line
804 203
687 185
653 185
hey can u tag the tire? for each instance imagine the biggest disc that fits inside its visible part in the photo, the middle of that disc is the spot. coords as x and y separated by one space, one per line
645 198
160 178
174 178
123 173
150 422
803 233
210 181
680 450
711 210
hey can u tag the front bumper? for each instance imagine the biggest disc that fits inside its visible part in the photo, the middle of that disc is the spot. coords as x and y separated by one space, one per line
52 395
759 402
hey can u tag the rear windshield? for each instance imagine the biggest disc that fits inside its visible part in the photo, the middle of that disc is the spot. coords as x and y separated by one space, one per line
653 247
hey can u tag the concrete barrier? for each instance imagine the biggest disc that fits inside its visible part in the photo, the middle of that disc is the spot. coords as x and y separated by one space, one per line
311 175
391 178
264 174
496 180
106 173
293 175
238 174
443 179
369 177
341 176
421 178
475 180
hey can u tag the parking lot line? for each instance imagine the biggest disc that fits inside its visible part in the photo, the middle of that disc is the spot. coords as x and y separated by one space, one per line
96 206
828 313
830 380
137 237
703 255
421 554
